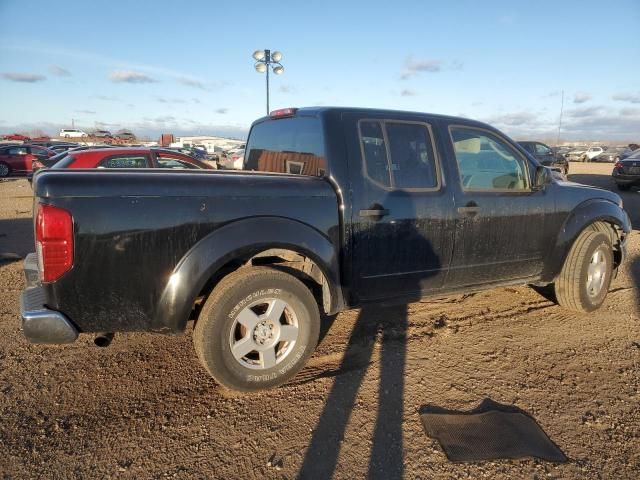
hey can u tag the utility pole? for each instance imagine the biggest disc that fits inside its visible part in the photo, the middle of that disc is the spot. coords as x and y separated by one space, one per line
560 120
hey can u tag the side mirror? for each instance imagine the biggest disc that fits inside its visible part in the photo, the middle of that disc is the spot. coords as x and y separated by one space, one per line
542 177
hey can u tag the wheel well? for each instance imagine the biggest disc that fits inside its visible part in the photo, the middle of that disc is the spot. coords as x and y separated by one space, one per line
616 235
289 261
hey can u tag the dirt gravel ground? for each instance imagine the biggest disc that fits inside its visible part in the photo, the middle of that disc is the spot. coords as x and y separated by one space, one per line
143 408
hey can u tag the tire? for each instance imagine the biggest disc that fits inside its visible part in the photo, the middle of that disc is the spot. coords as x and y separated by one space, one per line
5 170
623 188
236 316
585 277
67 136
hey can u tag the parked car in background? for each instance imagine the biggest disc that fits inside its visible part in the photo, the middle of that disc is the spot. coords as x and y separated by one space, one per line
126 136
626 173
63 147
41 163
18 159
72 133
583 154
129 157
233 161
101 133
16 137
546 156
612 154
576 153
632 149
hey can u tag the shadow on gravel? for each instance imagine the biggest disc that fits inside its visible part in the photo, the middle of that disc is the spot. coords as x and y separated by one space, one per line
388 326
16 238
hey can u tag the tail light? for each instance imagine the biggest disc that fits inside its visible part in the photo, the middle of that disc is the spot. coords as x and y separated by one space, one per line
37 164
54 242
283 112
618 165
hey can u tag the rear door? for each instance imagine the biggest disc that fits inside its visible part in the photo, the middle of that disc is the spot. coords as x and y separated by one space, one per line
500 232
402 224
19 158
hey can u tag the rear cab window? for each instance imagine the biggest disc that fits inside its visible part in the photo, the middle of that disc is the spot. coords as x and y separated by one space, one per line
287 145
399 154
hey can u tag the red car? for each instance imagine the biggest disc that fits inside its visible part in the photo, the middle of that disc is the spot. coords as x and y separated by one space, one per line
16 137
19 158
130 157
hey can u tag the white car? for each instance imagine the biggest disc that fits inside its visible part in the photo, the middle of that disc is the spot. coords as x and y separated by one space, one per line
72 133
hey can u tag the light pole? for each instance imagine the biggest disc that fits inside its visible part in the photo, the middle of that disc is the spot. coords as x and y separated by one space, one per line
265 60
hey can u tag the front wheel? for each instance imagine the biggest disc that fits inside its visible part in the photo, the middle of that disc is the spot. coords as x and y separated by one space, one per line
4 170
586 274
257 329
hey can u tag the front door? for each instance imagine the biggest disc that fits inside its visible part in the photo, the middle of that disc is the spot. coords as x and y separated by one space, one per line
500 234
402 223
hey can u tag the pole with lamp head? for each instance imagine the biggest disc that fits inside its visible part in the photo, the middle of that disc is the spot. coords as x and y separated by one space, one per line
265 59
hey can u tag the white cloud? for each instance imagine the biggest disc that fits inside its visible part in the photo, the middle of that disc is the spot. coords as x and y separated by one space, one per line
129 76
581 97
626 97
191 82
23 77
408 93
59 71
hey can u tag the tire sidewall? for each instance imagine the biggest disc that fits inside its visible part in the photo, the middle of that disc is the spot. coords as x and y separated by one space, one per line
221 317
592 303
8 170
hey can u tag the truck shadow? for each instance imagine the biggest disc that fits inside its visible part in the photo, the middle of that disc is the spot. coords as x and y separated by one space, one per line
16 239
376 325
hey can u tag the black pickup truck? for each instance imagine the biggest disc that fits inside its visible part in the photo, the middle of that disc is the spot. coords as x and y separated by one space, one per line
336 208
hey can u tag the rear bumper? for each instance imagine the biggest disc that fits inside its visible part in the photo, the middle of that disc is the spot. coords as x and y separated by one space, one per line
39 323
622 179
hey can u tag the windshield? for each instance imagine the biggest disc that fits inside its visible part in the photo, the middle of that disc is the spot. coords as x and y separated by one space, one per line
635 154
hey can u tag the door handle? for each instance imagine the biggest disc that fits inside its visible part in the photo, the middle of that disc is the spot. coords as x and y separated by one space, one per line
471 208
375 212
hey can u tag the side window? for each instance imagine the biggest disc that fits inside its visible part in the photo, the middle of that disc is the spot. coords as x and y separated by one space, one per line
412 158
18 151
171 162
486 162
125 161
528 147
374 152
541 149
407 162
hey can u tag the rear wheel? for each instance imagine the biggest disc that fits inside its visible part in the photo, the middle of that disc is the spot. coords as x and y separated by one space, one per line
257 329
586 274
4 170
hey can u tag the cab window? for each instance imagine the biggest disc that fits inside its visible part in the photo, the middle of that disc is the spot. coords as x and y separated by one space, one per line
287 145
542 149
488 163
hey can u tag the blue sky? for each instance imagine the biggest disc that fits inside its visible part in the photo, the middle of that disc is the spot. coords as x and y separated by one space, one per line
186 66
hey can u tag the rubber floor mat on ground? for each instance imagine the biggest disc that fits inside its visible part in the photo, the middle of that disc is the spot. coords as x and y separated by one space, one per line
490 432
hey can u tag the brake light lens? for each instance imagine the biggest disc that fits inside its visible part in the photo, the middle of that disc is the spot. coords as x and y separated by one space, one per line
54 242
618 164
283 112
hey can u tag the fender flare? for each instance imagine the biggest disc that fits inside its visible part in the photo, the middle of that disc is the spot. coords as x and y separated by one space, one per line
241 239
585 214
